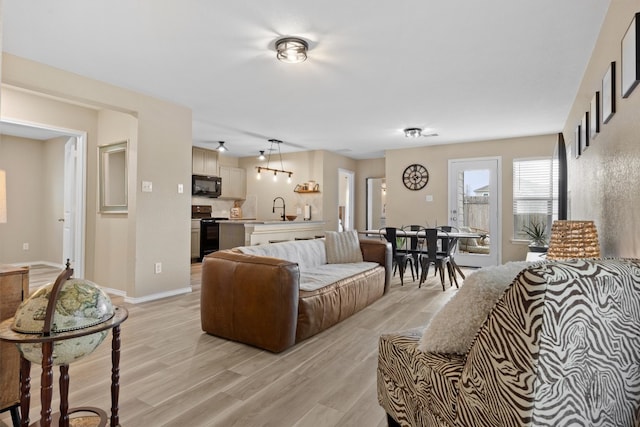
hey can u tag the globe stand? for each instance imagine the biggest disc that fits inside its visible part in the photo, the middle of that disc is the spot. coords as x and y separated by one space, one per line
47 340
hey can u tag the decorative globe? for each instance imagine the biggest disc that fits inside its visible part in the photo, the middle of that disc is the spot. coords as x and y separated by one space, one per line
80 304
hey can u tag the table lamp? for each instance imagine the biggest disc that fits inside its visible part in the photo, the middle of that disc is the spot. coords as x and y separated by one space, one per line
573 239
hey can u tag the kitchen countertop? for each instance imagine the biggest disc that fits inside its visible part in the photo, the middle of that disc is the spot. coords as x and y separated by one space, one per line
246 232
268 221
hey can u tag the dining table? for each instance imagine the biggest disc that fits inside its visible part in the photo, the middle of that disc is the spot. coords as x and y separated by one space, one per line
450 236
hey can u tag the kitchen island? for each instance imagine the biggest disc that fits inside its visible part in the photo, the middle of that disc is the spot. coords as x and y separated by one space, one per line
248 232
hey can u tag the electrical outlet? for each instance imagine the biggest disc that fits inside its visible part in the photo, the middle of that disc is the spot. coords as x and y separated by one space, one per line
25 246
158 267
298 211
429 198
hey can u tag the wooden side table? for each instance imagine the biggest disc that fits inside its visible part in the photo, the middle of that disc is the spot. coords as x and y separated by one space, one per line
14 287
46 384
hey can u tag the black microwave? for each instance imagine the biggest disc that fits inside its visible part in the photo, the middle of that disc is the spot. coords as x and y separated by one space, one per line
206 186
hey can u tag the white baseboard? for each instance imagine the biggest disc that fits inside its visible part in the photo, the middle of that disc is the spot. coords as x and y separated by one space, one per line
159 295
111 291
32 263
116 292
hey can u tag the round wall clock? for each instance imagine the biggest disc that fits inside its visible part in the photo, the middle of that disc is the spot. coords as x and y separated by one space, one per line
415 177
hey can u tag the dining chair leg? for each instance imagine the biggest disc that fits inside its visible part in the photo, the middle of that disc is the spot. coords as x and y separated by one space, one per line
425 272
457 268
452 275
441 268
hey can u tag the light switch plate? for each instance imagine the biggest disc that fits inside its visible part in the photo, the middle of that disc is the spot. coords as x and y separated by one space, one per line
147 186
180 188
429 198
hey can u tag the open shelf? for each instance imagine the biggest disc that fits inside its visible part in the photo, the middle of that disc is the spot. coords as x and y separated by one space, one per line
304 188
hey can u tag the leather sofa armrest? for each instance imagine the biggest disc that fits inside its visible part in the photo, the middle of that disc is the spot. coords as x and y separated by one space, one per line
251 299
375 250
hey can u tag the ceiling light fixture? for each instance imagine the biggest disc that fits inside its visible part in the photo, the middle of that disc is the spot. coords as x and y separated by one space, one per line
221 148
261 156
275 171
292 50
412 132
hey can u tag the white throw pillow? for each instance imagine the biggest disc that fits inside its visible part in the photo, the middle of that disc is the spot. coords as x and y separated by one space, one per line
453 328
342 247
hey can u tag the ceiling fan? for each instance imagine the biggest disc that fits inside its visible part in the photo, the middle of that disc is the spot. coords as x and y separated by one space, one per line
417 133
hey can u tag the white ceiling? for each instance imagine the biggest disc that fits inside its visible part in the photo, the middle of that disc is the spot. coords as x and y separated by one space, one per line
469 70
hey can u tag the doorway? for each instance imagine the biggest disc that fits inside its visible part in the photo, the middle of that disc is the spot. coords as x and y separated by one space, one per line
346 199
376 203
72 216
474 206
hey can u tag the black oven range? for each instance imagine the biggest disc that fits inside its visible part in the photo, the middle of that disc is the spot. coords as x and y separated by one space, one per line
209 229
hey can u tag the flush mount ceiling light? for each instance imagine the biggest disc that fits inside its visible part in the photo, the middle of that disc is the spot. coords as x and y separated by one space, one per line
221 148
292 50
269 169
412 132
416 133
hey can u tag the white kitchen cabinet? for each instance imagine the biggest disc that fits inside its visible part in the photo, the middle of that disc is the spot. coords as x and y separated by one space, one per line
204 162
234 183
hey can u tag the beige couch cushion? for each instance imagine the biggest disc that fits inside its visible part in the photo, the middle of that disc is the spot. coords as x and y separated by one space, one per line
306 253
342 247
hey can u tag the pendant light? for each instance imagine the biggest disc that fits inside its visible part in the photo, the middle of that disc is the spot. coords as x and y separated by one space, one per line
274 170
221 148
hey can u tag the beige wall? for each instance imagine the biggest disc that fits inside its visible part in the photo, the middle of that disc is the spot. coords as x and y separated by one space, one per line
24 204
158 225
115 270
369 168
603 181
304 165
35 199
331 190
409 207
320 166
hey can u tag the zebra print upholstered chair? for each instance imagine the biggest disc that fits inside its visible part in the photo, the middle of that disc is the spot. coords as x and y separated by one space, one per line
560 347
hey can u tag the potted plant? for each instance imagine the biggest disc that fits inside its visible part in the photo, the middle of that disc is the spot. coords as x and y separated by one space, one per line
537 233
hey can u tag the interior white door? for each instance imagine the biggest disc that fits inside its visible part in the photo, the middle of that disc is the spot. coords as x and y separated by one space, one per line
346 199
474 205
68 219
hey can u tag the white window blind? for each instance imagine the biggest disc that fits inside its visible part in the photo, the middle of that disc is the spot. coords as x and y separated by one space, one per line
534 196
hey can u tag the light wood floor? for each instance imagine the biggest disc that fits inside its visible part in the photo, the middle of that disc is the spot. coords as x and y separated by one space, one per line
173 374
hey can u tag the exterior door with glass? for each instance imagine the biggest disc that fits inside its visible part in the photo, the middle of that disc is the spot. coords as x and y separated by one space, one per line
474 206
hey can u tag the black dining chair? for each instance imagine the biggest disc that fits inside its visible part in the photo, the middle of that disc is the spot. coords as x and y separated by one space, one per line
449 247
432 256
400 254
415 244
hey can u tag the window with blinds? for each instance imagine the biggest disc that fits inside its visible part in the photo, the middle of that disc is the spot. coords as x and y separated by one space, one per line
535 198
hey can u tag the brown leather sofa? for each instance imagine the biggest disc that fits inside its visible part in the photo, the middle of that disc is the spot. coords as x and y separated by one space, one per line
257 300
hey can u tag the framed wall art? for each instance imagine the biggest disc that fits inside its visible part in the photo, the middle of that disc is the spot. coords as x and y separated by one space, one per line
594 116
630 58
584 133
609 93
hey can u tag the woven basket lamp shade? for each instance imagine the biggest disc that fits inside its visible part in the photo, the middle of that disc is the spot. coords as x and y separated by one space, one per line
573 239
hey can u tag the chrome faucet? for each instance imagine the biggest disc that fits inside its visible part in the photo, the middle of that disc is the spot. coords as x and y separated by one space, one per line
279 207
